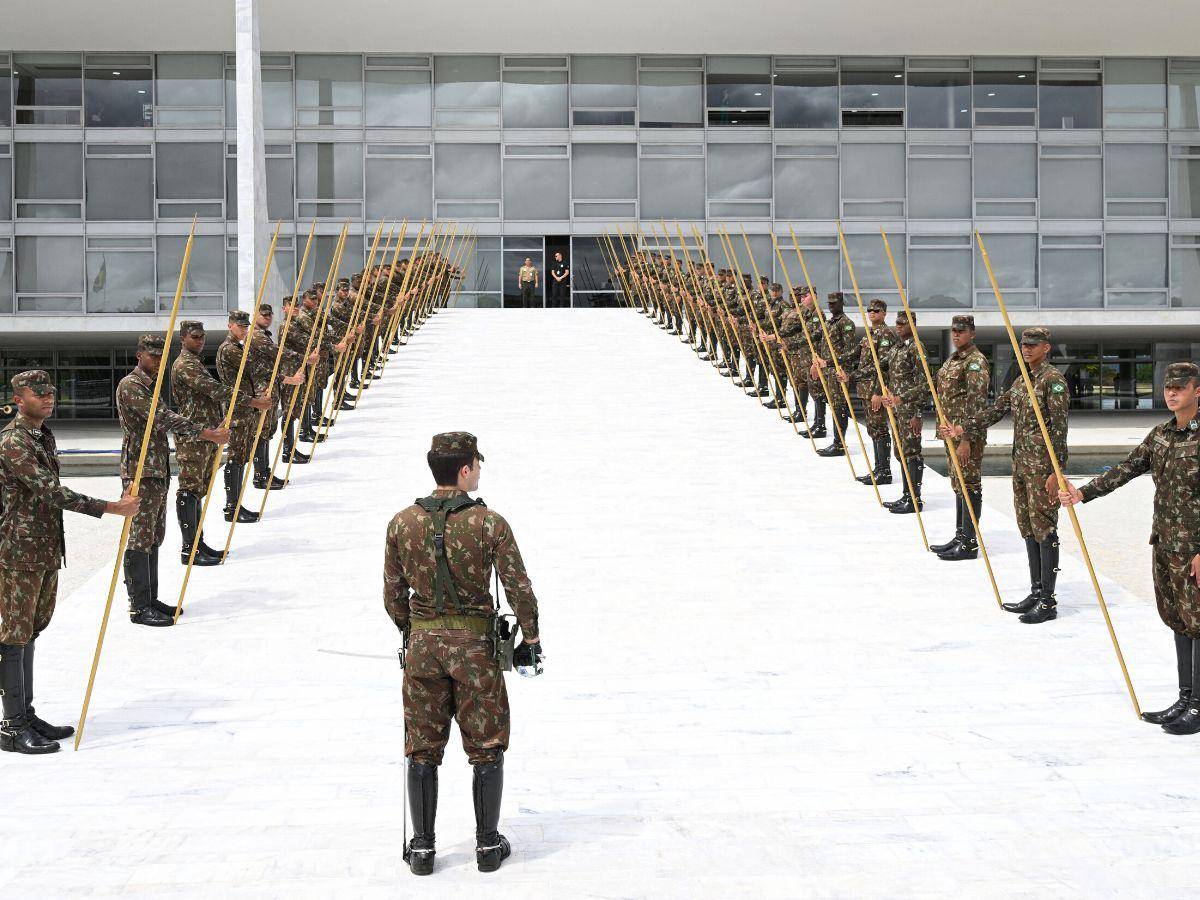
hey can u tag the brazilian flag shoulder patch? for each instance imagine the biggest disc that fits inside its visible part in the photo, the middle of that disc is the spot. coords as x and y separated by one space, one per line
974 367
885 343
1058 387
848 327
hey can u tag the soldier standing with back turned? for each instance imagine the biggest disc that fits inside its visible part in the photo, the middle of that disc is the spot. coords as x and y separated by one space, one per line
439 555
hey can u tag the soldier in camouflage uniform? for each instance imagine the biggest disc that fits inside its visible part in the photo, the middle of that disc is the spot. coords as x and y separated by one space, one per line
797 331
1035 493
907 395
962 386
134 394
772 312
841 336
866 382
438 560
1171 454
295 364
32 549
241 426
260 365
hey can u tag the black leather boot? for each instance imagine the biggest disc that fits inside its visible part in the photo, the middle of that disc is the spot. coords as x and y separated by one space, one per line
491 847
262 469
958 529
1046 607
1034 553
187 510
422 803
138 583
1188 721
290 453
16 732
41 726
968 546
1183 661
841 415
912 503
866 479
816 426
233 486
883 459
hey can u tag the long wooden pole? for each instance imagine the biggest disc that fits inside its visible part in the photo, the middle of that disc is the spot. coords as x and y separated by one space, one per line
632 295
695 320
262 413
951 446
368 366
615 274
702 249
136 485
713 318
402 299
1058 473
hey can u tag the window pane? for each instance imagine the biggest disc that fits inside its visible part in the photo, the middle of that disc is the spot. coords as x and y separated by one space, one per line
1072 102
1183 94
670 99
206 267
589 265
6 283
399 97
877 89
190 171
939 100
1014 260
672 188
535 99
49 265
1005 171
120 282
48 171
5 113
1185 188
1072 278
806 189
1135 171
1185 277
330 80
939 279
398 188
48 79
739 171
806 100
466 81
353 258
870 263
329 171
1012 89
277 101
535 189
5 189
118 97
1136 260
939 188
1135 84
120 189
1071 189
873 171
467 171
735 82
604 171
604 81
190 79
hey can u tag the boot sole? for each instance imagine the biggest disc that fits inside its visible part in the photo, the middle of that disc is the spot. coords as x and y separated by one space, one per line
9 745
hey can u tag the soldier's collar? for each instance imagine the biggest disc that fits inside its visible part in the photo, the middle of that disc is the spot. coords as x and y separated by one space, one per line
23 421
448 492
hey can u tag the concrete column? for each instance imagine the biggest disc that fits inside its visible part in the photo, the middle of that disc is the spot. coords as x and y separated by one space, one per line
253 229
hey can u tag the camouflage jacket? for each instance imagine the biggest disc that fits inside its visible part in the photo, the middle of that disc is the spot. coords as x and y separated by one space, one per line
906 378
261 362
229 360
298 335
864 366
841 335
1172 456
962 384
477 539
134 393
198 395
791 329
31 522
1029 450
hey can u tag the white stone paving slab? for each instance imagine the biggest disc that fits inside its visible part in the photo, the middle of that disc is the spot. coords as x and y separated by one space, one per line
758 683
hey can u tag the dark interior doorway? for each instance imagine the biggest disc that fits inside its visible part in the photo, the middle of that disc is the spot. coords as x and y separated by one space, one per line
558 293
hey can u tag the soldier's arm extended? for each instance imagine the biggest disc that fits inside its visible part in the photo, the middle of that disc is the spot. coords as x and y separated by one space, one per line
990 415
395 587
19 465
136 405
1135 464
511 569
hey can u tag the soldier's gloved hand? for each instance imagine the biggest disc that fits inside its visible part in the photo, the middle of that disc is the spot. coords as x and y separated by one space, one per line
528 659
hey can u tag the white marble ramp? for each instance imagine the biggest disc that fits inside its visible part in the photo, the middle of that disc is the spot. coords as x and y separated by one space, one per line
758 683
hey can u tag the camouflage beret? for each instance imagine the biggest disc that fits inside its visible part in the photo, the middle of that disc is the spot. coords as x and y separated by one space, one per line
962 323
239 317
903 316
1034 336
837 295
36 380
1178 374
152 344
877 305
455 442
266 309
189 326
776 287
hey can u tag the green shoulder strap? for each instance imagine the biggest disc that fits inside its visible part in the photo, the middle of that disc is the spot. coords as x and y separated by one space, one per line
440 508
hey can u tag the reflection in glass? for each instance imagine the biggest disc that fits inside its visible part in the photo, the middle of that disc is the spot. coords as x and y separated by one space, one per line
806 189
47 171
118 97
939 100
1185 276
329 80
603 81
190 79
1135 260
1069 102
1185 188
604 171
672 188
535 99
1184 94
1071 189
399 188
120 282
871 263
1135 92
939 278
466 81
873 171
670 99
206 267
399 97
1005 96
535 189
120 188
5 107
48 79
739 171
467 171
939 188
806 100
49 265
188 171
1071 279
329 171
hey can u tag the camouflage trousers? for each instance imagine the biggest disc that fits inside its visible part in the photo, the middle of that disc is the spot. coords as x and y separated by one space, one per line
453 675
877 424
26 603
241 438
149 527
1176 593
836 397
910 438
195 460
1037 512
971 469
800 370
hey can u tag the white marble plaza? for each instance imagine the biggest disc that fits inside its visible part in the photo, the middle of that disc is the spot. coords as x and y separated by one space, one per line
758 683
